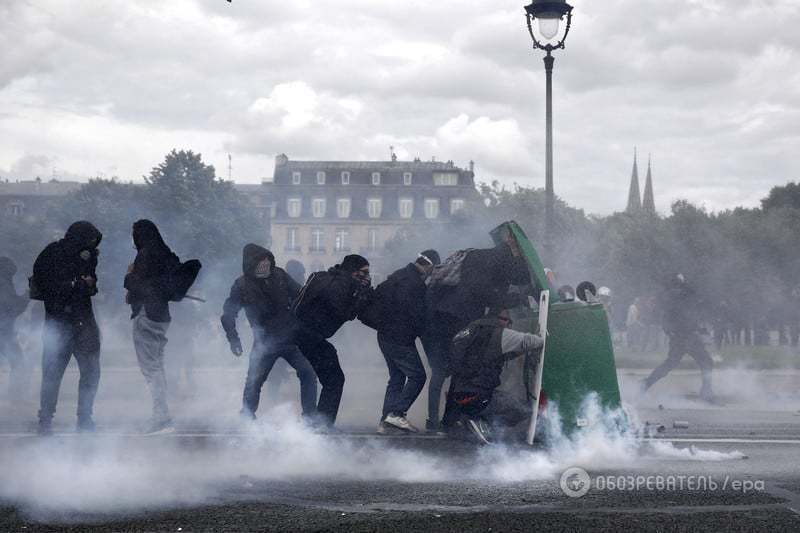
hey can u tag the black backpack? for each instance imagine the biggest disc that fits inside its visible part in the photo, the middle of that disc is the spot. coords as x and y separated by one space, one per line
34 292
181 279
314 286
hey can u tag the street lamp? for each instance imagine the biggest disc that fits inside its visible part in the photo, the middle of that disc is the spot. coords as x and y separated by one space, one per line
544 21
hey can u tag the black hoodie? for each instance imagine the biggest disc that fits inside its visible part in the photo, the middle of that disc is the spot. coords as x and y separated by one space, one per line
266 301
148 284
58 269
11 304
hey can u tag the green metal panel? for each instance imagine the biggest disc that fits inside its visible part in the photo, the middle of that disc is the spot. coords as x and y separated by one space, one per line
579 356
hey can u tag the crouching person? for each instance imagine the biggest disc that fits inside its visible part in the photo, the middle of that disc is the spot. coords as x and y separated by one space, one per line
326 302
265 291
479 354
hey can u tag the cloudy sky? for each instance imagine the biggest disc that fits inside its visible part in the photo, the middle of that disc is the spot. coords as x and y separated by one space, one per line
710 87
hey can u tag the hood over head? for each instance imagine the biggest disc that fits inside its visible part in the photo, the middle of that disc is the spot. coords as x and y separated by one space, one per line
82 235
7 268
145 233
252 255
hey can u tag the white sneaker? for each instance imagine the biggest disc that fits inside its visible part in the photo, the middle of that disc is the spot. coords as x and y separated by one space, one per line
162 427
400 422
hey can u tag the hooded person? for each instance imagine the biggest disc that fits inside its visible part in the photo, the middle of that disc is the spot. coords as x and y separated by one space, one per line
266 291
11 306
326 302
400 322
148 285
64 278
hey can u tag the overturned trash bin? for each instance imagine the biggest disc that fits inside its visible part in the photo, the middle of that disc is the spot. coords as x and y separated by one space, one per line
578 357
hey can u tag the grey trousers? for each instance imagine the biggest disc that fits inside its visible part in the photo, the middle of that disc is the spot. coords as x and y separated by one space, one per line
149 340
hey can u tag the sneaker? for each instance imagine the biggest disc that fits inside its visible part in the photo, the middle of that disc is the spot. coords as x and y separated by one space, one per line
86 425
479 430
382 429
400 422
44 429
159 427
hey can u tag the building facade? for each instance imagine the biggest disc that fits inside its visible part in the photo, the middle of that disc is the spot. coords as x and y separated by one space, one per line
27 200
321 211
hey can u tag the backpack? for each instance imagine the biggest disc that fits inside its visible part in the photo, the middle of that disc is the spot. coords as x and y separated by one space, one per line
34 292
314 286
375 312
448 274
181 279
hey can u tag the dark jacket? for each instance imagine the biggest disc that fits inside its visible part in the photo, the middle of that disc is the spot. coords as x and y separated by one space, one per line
403 299
11 304
486 275
58 269
149 284
266 302
330 299
681 310
477 357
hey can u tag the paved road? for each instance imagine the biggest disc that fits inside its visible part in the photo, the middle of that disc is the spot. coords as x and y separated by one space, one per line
732 469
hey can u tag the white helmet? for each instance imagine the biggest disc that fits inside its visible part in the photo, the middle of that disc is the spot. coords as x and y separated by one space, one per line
604 291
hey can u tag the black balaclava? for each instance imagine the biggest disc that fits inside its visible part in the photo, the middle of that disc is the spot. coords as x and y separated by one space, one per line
145 233
252 255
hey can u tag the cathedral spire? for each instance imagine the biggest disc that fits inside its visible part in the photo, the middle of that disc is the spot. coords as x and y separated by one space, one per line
634 200
648 202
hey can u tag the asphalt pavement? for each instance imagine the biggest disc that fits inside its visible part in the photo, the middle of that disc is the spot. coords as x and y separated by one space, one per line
730 466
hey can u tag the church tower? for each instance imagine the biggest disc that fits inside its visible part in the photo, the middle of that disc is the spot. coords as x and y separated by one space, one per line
634 200
648 202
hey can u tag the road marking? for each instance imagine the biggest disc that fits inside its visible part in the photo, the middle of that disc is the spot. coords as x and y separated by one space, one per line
722 440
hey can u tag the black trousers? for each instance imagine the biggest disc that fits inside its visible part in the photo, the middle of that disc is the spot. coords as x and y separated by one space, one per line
680 345
325 361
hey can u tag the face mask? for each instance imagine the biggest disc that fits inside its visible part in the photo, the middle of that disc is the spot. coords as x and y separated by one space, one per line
263 269
86 255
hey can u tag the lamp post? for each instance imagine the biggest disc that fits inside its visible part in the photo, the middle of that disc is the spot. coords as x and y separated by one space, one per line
544 20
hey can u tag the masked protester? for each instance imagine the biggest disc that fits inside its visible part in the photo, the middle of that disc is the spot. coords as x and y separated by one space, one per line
479 355
11 306
265 291
65 279
148 285
327 301
402 296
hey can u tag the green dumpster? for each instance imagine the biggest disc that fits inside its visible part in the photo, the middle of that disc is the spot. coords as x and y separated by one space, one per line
579 355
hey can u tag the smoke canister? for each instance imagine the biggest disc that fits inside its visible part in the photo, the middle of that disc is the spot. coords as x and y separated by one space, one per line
680 424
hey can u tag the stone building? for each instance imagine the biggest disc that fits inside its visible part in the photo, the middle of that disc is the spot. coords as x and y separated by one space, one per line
27 200
321 211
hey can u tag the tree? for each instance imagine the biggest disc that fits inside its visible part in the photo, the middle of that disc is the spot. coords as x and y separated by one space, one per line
783 196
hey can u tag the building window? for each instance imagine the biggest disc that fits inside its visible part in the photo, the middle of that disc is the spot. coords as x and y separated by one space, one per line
292 242
318 207
273 209
295 178
343 208
294 207
456 204
317 240
376 178
407 178
445 178
406 207
342 243
374 206
431 207
345 178
372 239
320 178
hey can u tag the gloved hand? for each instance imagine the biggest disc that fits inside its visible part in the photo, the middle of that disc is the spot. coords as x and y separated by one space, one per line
236 347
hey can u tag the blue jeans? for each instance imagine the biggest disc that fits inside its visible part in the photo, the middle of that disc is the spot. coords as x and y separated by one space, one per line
262 360
62 340
406 376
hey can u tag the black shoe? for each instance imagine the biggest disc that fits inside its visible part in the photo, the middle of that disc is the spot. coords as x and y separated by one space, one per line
435 427
479 430
45 428
86 425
